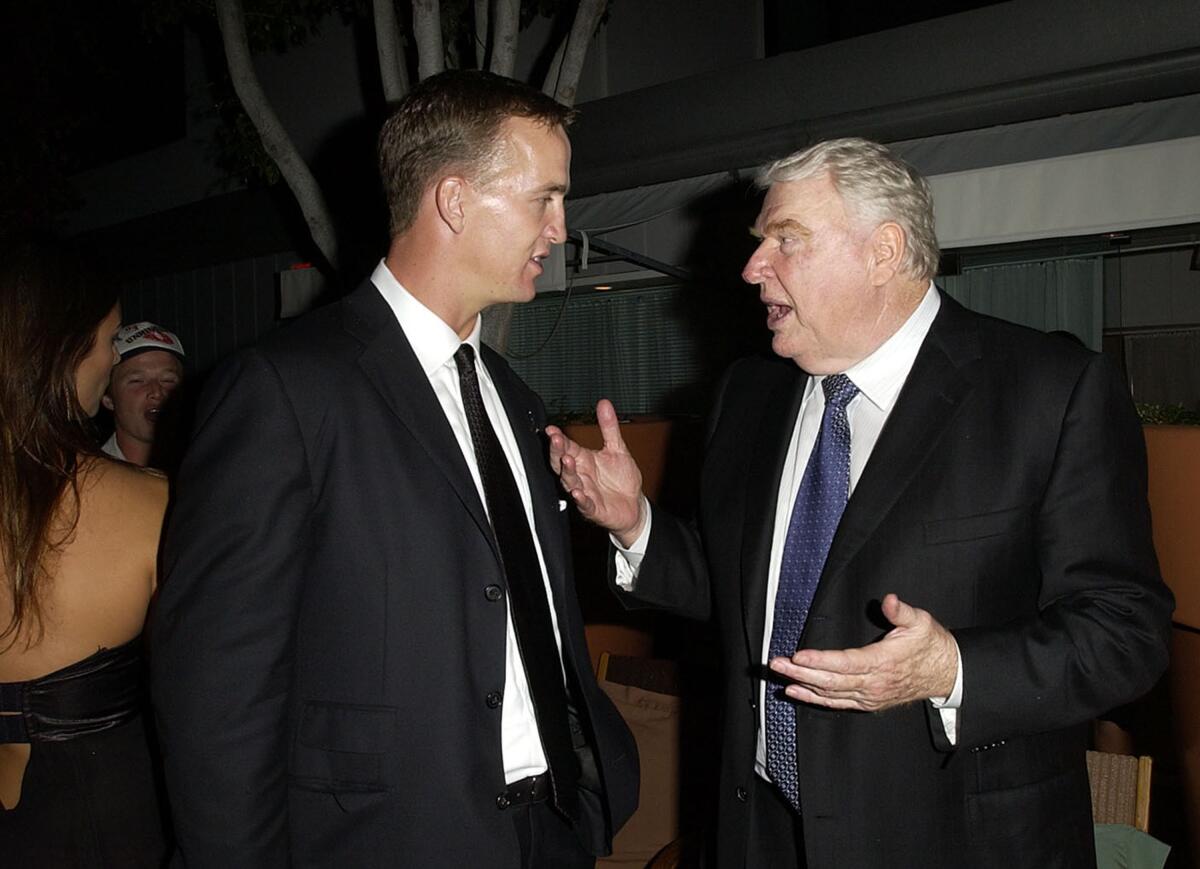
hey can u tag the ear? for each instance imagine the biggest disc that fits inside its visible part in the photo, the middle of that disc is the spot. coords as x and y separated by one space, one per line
448 195
107 402
888 247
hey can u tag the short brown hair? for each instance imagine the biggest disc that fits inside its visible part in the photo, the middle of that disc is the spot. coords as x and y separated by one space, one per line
452 120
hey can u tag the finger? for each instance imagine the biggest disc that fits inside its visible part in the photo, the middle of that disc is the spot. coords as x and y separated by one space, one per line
569 473
558 448
587 507
610 428
804 695
833 660
899 613
825 681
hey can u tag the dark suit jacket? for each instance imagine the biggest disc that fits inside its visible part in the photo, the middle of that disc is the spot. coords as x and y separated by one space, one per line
329 642
1006 496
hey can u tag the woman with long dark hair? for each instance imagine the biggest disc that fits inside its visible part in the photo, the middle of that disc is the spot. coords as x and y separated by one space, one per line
78 550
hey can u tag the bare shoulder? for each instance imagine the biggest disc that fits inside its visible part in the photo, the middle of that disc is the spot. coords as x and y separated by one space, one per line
118 491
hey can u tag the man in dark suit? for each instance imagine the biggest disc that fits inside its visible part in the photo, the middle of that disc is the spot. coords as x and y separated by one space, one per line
368 650
925 538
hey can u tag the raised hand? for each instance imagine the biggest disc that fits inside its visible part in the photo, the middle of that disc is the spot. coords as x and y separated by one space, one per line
914 661
605 484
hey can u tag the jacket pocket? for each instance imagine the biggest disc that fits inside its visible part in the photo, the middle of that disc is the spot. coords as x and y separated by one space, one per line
975 527
342 747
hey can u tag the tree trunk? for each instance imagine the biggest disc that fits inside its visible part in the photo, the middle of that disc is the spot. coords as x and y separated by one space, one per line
232 22
481 33
427 31
583 28
550 85
392 68
504 37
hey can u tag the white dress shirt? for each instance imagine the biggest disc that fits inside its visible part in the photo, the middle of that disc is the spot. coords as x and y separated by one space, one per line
112 448
879 378
435 344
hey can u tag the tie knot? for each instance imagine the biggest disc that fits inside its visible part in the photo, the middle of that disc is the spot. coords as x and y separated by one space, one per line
839 390
464 358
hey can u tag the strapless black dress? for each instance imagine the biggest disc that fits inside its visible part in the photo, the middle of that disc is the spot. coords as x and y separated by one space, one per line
91 795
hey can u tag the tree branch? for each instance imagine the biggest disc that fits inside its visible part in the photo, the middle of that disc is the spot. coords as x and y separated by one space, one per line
392 69
427 31
583 28
232 22
504 37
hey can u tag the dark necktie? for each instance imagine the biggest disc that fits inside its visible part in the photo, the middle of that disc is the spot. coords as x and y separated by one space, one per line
815 516
526 590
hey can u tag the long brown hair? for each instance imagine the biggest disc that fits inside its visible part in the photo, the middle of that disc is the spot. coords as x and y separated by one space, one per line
51 303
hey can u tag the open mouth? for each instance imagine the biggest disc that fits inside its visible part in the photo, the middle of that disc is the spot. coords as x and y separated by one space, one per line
776 313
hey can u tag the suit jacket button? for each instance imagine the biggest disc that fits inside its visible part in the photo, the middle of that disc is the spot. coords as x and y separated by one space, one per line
493 593
502 802
741 794
493 699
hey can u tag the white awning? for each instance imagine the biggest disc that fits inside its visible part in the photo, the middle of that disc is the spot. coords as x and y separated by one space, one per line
1154 184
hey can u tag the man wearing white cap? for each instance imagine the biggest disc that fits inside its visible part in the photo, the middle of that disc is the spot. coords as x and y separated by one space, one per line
150 370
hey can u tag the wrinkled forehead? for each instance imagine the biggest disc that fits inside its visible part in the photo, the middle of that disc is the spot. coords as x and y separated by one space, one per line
809 202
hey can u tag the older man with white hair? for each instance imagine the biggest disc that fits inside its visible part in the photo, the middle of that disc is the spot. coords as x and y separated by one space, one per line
924 535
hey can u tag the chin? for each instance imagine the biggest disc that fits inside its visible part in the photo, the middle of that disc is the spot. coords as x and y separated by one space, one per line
524 294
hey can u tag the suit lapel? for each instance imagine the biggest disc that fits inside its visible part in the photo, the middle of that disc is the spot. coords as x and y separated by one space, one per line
932 394
782 406
389 363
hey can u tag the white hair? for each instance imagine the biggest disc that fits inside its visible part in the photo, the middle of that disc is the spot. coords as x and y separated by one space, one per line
876 185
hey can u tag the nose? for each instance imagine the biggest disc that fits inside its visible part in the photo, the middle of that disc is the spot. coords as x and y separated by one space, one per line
556 225
755 269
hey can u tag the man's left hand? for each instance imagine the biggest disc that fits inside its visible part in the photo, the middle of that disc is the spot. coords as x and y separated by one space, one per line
917 659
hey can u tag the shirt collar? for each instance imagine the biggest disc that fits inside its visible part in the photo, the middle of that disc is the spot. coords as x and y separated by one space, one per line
432 340
880 376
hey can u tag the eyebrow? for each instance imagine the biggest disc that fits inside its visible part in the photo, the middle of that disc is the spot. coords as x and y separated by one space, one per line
553 188
786 226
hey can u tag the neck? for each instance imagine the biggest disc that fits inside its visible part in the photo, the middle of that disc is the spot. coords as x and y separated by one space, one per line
134 450
430 279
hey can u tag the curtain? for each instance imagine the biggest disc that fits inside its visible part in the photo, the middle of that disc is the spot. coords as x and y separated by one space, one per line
1065 295
637 348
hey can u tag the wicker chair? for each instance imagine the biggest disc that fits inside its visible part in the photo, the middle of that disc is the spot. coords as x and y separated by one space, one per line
1120 789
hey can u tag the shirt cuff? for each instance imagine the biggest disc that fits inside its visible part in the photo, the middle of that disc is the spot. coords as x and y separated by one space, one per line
628 561
948 707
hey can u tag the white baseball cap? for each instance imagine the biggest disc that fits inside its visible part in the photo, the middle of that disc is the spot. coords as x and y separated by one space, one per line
139 337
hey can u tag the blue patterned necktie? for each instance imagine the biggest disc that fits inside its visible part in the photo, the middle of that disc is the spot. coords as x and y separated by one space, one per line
815 516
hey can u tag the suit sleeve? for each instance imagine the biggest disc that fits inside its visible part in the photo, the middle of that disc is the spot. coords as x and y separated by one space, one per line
673 575
1101 632
222 633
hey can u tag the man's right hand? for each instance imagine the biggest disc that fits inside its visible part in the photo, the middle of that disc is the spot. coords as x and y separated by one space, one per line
605 484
